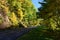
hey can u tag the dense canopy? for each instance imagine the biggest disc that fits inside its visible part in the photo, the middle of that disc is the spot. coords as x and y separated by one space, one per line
15 12
50 12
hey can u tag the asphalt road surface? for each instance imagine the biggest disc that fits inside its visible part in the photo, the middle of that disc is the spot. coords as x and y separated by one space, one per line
13 34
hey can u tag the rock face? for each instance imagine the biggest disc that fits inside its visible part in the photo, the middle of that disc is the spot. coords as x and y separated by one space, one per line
5 20
5 23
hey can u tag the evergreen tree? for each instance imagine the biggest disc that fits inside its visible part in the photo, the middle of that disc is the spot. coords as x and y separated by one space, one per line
50 12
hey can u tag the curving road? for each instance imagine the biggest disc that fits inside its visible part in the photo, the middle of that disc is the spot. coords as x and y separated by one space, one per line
13 34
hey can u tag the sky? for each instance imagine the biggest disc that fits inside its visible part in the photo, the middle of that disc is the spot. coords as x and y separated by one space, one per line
36 4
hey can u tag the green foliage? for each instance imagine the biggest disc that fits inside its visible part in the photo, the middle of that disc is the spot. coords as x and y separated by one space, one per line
1 20
50 13
41 33
20 12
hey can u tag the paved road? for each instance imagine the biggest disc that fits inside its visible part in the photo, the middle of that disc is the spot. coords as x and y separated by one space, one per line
13 34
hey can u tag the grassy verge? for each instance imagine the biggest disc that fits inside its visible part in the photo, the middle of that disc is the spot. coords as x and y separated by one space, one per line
40 33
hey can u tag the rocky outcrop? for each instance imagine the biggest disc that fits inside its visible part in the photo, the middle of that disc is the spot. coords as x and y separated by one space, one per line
5 20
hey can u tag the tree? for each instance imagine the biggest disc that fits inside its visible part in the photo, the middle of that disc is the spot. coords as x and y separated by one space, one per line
50 13
19 12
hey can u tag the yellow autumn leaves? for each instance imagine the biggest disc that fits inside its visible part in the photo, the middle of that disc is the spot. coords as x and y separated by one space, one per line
20 11
13 19
53 24
20 14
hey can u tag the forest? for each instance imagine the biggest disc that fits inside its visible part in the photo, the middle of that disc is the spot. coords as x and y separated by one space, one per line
23 14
